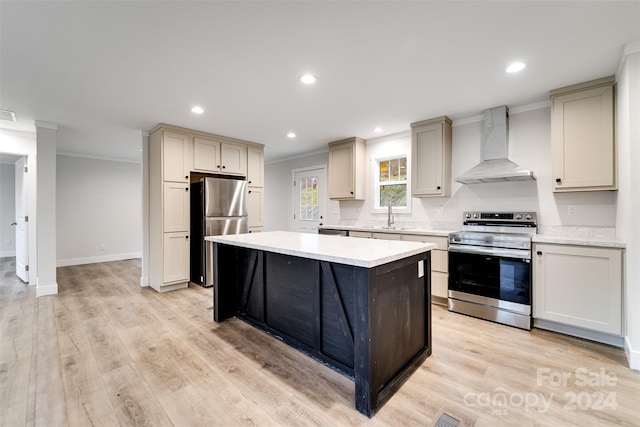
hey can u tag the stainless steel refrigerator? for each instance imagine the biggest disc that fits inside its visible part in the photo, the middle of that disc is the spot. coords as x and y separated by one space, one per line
218 207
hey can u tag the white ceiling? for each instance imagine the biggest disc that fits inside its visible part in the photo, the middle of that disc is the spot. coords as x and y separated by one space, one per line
104 71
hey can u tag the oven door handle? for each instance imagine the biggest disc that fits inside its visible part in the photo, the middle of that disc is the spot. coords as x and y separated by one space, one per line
499 252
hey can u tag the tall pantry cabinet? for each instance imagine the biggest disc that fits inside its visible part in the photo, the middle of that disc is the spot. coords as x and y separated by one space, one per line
177 157
170 157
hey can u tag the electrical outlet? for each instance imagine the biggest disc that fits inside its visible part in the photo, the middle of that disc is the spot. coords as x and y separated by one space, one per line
572 210
103 247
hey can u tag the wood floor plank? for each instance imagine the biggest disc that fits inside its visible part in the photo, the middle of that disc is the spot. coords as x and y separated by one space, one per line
134 402
50 399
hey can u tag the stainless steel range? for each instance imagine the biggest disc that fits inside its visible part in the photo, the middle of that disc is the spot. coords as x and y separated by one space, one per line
490 267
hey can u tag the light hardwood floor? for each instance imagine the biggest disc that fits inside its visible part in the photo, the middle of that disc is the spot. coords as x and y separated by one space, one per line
106 352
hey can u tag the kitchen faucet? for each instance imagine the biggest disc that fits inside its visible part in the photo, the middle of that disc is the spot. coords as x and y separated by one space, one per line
390 220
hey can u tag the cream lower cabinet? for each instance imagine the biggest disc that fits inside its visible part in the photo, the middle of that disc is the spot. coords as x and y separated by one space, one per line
578 286
176 257
439 259
439 265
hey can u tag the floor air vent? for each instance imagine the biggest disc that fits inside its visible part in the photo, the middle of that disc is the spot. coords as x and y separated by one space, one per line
447 420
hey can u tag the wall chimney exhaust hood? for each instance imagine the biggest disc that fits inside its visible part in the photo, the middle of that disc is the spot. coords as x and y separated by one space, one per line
495 166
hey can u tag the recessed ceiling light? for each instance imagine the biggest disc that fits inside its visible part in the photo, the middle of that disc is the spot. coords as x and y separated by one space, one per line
308 79
377 129
515 67
197 110
291 135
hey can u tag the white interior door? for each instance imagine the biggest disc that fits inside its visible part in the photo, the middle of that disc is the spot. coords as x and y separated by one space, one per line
22 212
309 199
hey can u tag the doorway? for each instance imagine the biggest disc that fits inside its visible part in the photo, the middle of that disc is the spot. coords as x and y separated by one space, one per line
309 198
14 233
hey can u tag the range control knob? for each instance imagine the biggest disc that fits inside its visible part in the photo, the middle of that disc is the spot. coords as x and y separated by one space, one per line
518 216
468 215
528 217
476 215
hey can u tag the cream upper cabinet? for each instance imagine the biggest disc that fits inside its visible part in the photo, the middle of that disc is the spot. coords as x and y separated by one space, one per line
210 155
583 145
255 167
233 159
578 286
347 169
176 150
431 158
206 154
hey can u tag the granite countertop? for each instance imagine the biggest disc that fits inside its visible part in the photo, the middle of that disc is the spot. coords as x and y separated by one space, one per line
399 230
358 252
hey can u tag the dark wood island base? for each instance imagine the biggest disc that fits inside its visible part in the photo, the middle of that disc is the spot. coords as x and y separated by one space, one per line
371 324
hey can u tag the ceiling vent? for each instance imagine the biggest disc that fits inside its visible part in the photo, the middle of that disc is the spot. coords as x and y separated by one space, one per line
7 115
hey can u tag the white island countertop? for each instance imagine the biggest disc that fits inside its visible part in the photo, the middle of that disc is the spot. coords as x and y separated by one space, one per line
366 253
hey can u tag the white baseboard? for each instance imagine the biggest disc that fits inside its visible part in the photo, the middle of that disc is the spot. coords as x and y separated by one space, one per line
44 290
633 356
95 259
144 281
9 253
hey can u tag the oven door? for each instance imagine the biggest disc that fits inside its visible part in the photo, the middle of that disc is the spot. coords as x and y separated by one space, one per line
502 274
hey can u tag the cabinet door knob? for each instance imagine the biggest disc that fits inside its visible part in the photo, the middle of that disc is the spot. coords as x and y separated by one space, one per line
186 237
224 167
218 166
249 182
559 180
351 192
186 189
539 253
438 187
249 191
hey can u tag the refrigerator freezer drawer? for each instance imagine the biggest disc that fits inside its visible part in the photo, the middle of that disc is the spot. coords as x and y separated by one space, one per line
224 226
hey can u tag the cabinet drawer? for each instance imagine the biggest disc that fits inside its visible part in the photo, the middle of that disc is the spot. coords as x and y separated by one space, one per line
360 234
386 236
442 242
439 284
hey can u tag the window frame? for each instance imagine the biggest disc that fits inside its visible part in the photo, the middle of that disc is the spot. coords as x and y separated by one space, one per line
375 173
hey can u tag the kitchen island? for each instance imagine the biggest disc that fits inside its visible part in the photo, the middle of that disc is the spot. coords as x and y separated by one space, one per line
359 306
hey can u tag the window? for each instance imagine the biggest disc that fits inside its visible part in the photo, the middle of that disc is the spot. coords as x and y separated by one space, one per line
391 184
309 199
